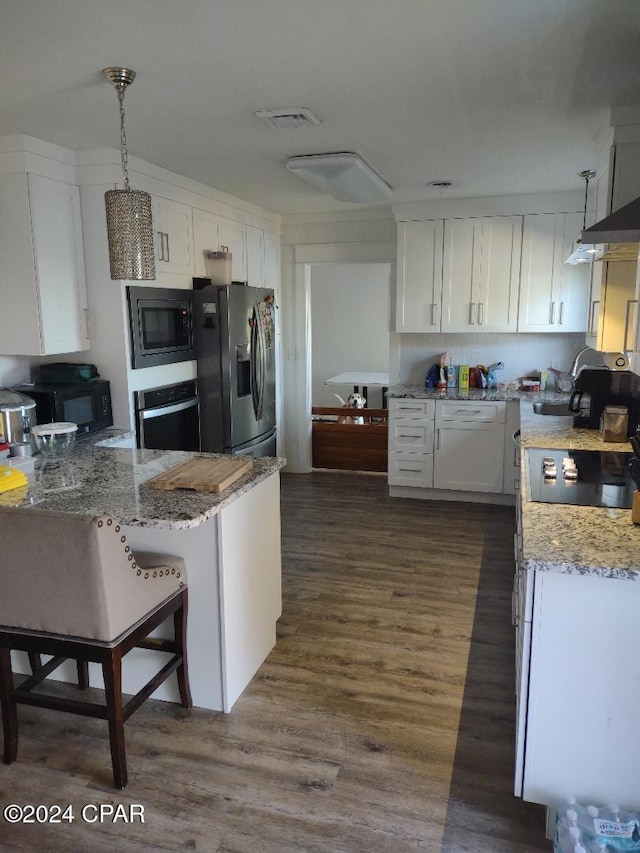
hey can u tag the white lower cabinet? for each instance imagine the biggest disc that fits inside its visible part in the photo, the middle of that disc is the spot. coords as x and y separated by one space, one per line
42 278
580 733
511 474
411 443
521 616
469 446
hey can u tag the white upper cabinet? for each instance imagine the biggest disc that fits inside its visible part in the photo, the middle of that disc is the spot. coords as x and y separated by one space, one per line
42 280
481 272
206 239
597 277
255 257
173 228
272 262
554 296
233 235
419 276
254 252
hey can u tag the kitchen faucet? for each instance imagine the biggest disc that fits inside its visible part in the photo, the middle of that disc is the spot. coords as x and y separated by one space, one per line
573 370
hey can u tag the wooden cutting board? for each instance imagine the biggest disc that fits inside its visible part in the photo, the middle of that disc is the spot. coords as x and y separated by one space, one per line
202 475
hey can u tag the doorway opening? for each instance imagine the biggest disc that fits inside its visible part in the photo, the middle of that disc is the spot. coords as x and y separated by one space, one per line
348 353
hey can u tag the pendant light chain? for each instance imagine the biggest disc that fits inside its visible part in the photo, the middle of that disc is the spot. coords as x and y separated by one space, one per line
123 137
586 175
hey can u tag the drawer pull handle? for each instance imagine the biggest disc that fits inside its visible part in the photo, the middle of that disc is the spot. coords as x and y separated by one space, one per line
409 470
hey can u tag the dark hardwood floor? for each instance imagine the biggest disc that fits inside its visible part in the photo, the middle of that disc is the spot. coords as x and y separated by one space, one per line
383 720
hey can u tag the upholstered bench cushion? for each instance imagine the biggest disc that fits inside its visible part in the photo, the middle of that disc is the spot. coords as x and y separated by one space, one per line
77 576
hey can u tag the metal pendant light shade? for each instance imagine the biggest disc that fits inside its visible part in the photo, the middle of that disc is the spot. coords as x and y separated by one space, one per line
129 218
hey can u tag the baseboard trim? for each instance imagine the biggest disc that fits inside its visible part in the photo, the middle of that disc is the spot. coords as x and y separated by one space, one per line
451 495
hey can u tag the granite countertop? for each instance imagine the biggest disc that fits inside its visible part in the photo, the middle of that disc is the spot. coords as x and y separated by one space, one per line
571 539
558 537
98 479
418 392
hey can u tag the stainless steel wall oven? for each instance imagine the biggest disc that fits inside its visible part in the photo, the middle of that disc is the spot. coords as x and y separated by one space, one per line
167 418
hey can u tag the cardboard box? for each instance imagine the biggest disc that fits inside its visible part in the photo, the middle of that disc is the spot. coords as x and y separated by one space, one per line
463 377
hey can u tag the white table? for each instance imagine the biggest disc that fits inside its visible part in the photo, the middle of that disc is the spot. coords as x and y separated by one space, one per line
362 379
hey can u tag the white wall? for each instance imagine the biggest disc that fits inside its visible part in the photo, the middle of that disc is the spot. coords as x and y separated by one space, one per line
14 369
349 326
413 354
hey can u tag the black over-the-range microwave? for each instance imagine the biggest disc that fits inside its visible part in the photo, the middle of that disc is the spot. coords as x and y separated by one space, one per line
161 325
87 404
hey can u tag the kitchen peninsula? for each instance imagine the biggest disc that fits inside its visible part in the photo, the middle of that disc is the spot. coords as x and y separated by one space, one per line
576 591
576 601
230 542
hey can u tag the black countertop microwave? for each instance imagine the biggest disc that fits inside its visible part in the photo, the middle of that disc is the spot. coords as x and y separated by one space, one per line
87 404
161 325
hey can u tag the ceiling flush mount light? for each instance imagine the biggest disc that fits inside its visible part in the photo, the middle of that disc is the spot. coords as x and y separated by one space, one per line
584 253
343 175
129 221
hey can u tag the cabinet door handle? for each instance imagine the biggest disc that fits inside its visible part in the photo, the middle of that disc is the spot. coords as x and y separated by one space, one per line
593 317
160 246
437 441
472 313
87 324
434 313
167 256
627 324
480 313
561 315
552 314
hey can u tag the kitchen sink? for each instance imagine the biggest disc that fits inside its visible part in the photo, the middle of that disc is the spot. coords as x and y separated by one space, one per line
549 407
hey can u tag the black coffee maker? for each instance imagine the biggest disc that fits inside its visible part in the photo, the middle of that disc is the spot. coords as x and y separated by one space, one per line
597 387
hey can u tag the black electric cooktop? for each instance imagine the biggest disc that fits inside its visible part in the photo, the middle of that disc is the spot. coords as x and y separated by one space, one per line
581 477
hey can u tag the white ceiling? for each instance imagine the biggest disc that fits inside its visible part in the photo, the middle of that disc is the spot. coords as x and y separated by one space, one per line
499 96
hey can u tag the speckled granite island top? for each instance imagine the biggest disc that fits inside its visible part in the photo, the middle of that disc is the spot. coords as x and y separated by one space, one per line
574 539
104 480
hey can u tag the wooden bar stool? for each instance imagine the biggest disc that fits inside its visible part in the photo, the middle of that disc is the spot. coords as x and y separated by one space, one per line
73 589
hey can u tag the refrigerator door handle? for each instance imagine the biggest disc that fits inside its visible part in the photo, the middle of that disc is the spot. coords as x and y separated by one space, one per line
252 369
258 356
261 363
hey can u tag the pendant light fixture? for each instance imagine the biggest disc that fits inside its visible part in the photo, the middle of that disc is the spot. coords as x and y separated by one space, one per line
129 221
584 253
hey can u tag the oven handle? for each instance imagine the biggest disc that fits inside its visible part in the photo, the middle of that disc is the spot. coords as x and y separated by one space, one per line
160 411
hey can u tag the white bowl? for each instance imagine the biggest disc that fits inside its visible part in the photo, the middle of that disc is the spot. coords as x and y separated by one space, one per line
54 440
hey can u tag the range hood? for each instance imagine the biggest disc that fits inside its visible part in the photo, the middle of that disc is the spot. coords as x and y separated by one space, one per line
621 230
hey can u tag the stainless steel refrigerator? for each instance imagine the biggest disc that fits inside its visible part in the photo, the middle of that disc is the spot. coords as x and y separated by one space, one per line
235 351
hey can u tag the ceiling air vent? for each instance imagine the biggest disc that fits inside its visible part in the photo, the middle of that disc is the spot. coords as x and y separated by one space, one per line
296 117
